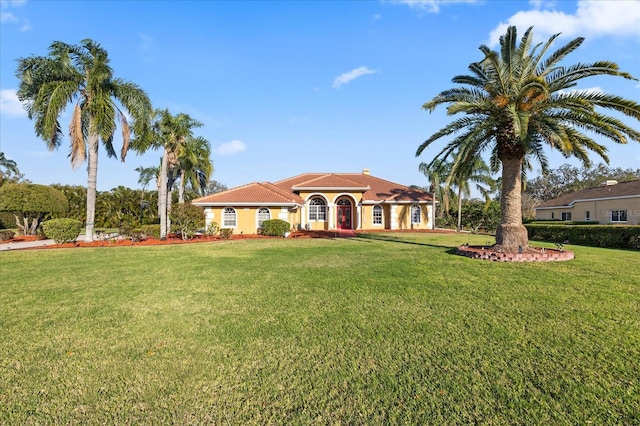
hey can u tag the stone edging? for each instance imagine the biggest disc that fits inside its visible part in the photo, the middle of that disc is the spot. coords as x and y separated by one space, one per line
538 255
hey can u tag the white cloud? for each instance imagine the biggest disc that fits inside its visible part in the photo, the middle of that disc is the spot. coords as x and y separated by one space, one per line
592 18
430 6
351 75
10 17
10 104
6 17
146 42
230 148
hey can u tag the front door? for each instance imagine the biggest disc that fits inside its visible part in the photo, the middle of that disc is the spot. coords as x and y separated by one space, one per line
344 214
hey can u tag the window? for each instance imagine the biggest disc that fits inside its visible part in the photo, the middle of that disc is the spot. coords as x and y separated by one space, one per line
377 215
317 209
263 214
228 218
553 215
415 214
618 215
566 215
587 215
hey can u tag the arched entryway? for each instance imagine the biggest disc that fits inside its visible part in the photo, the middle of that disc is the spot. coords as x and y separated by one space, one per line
344 214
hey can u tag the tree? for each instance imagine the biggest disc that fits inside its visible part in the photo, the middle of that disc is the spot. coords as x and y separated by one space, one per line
81 75
194 165
8 170
31 203
169 133
437 173
516 101
213 187
476 172
567 178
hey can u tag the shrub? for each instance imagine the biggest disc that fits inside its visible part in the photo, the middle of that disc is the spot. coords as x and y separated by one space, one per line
32 202
62 230
275 227
6 234
226 233
152 231
213 229
593 235
186 219
134 234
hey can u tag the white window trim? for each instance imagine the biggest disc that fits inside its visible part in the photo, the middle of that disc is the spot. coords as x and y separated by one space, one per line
235 218
309 207
258 224
373 216
619 221
413 207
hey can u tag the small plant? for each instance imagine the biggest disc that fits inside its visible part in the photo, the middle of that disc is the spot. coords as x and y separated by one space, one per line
226 233
275 227
6 234
62 230
213 229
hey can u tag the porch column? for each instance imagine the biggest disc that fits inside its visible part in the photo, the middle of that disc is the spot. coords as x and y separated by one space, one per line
330 216
394 217
303 217
359 216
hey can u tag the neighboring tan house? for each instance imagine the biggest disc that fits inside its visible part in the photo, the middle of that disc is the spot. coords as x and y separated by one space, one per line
611 203
321 201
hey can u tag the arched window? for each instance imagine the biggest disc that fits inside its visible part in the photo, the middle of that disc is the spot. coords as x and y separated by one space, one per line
415 214
263 214
317 209
229 218
377 215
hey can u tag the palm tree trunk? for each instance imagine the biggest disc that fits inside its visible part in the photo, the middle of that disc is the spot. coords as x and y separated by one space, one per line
181 187
162 196
459 209
511 235
92 167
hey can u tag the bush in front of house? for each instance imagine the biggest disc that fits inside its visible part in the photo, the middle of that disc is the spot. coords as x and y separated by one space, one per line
609 236
6 234
152 231
275 227
186 219
213 229
62 230
226 233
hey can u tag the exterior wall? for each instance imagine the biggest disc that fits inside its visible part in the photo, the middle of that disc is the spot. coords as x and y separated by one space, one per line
599 211
394 217
247 217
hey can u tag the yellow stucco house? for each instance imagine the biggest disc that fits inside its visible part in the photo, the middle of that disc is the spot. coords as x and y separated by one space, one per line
609 203
321 201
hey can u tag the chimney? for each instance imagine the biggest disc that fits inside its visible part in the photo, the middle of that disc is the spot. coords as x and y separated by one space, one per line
609 182
365 171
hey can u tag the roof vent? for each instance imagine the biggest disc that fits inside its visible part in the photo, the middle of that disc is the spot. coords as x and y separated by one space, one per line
365 171
609 182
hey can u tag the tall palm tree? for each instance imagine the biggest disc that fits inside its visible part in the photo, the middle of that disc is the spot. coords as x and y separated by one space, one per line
194 164
519 99
80 75
169 133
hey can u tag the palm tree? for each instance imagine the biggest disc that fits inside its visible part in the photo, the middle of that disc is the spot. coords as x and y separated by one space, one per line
476 172
81 75
194 165
7 167
437 173
516 101
169 133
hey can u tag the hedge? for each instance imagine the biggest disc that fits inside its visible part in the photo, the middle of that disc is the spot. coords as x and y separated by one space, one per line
62 230
275 227
610 236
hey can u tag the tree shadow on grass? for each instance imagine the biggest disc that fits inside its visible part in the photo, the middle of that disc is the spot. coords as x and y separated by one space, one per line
369 237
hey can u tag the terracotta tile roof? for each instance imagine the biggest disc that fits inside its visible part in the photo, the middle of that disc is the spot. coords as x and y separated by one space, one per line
622 189
253 193
373 190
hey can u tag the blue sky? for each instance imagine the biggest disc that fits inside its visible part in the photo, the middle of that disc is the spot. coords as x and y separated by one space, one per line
288 87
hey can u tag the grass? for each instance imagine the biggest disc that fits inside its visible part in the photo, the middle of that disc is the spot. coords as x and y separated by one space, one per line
384 329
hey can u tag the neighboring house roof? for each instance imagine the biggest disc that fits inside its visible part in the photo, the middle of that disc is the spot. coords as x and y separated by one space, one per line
627 189
285 192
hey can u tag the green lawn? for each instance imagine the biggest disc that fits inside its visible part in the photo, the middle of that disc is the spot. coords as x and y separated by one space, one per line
386 329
